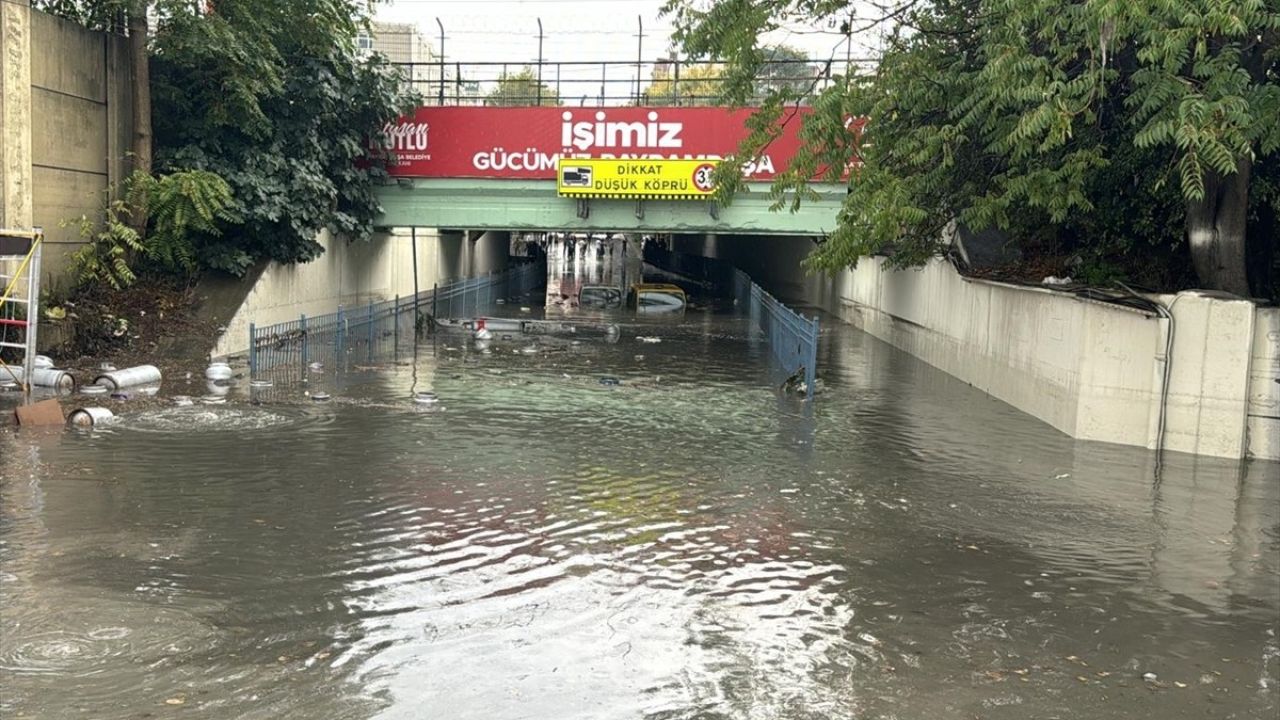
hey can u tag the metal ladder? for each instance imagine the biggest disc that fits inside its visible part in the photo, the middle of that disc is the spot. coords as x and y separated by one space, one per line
20 288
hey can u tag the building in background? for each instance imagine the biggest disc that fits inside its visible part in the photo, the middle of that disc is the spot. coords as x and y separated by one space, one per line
415 56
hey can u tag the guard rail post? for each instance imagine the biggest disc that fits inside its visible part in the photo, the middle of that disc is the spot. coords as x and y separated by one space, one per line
302 327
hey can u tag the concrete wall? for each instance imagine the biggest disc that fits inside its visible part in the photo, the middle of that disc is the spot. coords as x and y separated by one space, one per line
1093 370
352 274
67 126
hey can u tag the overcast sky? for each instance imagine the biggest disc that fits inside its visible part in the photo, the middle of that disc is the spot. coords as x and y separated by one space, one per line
575 30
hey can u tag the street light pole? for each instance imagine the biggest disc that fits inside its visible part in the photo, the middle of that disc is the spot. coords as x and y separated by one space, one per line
540 36
441 26
639 52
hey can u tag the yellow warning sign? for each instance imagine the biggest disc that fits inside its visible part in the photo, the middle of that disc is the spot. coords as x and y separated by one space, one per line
638 179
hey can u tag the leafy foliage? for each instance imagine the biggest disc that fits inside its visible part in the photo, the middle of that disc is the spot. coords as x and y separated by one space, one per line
107 255
689 85
783 71
271 97
1085 124
521 88
184 208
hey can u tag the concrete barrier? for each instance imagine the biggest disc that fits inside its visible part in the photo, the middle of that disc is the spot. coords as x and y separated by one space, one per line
1094 370
353 274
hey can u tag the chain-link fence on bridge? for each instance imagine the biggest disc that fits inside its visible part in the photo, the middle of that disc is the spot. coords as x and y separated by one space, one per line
679 83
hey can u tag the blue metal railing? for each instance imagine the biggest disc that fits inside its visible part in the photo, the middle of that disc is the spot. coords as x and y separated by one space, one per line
792 338
368 331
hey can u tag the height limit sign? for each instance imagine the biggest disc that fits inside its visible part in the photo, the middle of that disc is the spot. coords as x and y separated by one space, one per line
704 177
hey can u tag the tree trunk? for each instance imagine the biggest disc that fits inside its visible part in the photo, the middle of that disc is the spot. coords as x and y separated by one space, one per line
141 87
1216 230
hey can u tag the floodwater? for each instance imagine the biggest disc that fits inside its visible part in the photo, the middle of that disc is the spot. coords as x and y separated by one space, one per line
684 544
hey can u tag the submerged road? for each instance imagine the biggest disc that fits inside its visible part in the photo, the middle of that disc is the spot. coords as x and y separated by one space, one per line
684 544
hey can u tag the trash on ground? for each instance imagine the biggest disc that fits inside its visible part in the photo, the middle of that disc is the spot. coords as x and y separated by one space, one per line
218 371
40 377
90 416
182 400
45 412
128 377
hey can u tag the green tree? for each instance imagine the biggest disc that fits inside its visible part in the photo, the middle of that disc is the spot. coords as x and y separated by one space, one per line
690 85
270 96
1039 118
784 69
521 89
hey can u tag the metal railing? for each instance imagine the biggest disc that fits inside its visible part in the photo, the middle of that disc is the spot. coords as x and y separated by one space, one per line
378 329
604 83
792 338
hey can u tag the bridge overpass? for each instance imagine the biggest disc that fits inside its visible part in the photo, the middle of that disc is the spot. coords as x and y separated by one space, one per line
495 168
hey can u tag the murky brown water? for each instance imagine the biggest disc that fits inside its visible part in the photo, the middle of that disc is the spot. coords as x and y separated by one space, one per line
683 545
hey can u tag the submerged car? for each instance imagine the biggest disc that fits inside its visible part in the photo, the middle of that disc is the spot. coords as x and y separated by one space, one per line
656 297
599 296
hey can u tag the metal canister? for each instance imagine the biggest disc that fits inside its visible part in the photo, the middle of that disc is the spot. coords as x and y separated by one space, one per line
43 361
128 377
218 371
41 377
90 416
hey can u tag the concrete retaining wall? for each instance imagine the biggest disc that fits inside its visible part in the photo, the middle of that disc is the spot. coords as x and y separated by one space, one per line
1093 370
353 274
67 126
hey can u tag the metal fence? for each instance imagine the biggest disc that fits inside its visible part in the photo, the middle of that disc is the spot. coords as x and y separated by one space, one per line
792 338
607 83
379 329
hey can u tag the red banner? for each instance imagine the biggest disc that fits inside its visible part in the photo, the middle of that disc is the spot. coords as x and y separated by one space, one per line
526 142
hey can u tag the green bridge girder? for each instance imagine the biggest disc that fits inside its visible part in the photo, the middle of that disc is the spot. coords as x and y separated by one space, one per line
486 204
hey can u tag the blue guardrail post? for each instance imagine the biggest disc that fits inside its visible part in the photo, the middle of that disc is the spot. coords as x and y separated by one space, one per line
253 350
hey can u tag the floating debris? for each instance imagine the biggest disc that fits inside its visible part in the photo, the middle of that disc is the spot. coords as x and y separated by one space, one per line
129 377
610 381
425 397
94 389
182 400
213 400
88 417
320 397
260 383
648 339
218 371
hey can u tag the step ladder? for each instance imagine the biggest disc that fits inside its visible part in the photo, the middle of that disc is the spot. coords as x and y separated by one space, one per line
19 301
